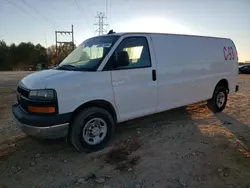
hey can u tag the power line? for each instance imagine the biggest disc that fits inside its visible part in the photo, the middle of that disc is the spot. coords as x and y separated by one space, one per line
37 12
90 10
23 10
82 12
106 8
44 18
110 9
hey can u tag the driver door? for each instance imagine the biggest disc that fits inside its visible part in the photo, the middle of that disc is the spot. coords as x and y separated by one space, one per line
135 85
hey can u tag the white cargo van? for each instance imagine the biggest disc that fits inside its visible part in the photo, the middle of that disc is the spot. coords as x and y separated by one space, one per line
122 76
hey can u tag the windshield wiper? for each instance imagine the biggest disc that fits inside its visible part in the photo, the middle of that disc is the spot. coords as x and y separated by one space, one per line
86 69
66 67
75 68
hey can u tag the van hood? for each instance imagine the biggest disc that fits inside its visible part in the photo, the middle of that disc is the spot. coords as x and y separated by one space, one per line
39 80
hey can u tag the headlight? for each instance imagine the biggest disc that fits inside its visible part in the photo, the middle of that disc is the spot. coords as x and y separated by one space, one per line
43 95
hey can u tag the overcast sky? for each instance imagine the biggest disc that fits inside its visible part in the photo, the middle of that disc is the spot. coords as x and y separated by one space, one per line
36 20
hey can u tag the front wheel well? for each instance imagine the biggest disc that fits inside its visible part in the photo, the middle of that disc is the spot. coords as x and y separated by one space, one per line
96 103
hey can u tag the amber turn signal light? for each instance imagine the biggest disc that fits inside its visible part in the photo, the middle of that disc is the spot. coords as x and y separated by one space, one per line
44 110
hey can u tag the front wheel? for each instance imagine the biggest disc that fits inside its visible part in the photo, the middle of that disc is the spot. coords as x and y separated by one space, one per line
219 100
91 129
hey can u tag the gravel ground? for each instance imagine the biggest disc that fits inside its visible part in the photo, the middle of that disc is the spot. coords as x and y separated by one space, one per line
11 79
184 147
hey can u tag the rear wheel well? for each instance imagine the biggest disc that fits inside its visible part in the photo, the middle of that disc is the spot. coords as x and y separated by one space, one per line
223 83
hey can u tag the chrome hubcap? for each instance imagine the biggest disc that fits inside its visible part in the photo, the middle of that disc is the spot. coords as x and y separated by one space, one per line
221 98
94 131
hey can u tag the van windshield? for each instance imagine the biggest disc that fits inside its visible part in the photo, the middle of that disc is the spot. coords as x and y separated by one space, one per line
89 55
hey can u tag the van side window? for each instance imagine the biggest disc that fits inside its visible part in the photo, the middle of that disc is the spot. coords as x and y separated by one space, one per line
138 52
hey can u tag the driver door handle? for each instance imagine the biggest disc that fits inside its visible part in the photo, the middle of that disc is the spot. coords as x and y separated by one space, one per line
154 75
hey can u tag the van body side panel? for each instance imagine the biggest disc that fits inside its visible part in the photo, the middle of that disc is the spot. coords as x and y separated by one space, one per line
80 88
189 67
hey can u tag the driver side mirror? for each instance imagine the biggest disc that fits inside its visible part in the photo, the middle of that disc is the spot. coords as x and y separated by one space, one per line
122 59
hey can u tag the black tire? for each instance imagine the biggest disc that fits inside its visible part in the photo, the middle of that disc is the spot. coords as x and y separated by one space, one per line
79 124
213 104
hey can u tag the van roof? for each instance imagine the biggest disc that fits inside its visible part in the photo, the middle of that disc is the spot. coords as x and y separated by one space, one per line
149 33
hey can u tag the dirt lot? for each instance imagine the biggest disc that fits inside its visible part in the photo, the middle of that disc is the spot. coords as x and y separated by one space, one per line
184 147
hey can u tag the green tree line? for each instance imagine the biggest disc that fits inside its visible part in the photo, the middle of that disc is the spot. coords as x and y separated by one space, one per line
27 55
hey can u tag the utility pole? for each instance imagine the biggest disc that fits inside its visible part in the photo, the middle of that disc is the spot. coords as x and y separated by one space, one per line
65 42
72 31
101 25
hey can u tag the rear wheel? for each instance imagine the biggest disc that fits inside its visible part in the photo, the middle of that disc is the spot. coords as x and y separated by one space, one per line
92 129
219 100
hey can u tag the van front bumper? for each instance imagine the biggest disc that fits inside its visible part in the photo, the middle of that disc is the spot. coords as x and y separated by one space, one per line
42 126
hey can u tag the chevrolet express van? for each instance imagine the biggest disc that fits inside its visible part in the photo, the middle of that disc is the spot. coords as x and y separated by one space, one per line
121 76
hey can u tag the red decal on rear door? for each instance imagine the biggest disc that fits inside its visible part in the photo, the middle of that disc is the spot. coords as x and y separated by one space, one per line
225 53
228 53
230 49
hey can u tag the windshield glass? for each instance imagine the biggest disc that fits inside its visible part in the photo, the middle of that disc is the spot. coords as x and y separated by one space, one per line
89 55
